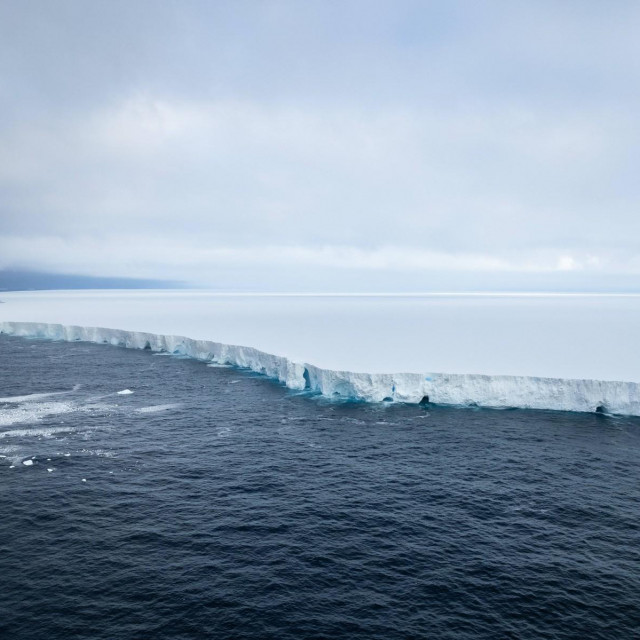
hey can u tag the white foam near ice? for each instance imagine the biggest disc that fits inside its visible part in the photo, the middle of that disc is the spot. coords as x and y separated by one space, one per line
32 412
525 392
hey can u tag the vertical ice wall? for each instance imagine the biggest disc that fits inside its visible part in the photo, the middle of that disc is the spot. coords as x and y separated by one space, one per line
447 389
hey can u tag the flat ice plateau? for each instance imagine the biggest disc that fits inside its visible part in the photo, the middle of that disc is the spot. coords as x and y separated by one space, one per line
561 352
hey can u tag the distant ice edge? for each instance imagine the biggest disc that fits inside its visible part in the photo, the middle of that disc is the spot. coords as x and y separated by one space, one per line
522 392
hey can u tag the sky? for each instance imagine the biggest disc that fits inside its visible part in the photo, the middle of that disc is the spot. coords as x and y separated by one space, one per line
323 146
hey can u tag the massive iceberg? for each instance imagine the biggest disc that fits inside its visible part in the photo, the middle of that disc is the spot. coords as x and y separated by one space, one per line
491 391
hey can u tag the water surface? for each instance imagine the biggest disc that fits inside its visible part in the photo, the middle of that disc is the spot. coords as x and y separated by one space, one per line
214 503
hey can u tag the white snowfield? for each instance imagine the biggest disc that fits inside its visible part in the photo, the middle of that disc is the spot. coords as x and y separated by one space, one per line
497 391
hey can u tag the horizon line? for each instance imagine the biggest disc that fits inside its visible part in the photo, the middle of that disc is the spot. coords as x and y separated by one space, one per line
353 294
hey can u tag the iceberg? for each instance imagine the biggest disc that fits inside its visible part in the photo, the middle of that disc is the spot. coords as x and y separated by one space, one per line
490 391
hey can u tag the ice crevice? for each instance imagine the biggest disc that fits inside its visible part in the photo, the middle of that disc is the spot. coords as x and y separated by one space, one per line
491 391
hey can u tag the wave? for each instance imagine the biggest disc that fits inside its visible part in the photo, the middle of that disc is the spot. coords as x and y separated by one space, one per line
158 408
490 391
36 433
32 397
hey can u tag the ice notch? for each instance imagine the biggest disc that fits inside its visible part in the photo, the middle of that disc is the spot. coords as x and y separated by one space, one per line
307 379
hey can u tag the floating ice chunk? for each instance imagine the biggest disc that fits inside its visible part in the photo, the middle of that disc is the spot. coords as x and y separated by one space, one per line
66 455
27 463
13 466
84 479
125 392
49 470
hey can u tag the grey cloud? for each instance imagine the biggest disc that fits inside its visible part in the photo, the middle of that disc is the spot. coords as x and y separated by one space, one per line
447 128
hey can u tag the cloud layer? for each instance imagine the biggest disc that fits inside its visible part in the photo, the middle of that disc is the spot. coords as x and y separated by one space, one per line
320 145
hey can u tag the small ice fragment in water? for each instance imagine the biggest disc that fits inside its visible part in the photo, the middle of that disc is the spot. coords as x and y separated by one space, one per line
125 392
13 466
28 463
66 455
49 470
84 479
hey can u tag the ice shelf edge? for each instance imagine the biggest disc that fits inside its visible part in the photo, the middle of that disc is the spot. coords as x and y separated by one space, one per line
522 392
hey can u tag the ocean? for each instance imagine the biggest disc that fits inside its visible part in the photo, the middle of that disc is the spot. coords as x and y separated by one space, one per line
149 496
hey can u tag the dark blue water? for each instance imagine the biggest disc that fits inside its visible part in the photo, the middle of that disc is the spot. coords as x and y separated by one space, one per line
211 503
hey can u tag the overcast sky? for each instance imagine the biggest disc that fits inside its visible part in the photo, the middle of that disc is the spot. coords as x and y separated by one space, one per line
323 145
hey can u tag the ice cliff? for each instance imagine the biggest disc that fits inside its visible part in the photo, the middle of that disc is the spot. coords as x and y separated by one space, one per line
447 389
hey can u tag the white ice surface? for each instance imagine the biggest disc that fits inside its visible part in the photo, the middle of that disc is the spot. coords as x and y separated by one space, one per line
555 352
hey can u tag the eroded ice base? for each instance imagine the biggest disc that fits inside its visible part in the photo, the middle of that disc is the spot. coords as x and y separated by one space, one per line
525 392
